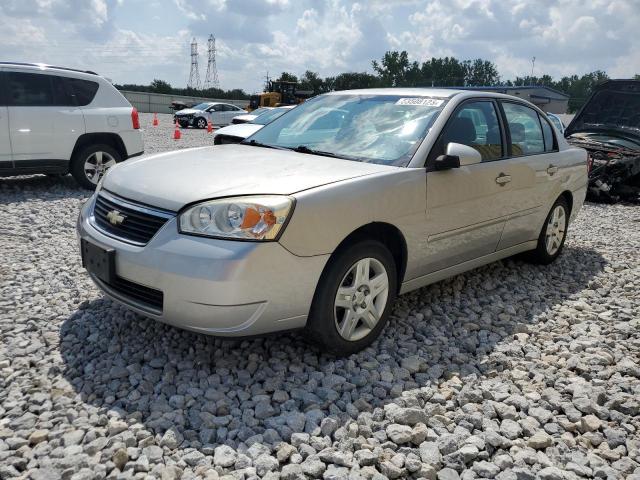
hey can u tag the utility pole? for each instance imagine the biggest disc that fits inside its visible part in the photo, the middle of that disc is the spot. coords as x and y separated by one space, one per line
194 74
533 64
211 78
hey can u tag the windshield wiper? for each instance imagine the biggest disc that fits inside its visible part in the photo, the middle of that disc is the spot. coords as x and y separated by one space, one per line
255 143
305 149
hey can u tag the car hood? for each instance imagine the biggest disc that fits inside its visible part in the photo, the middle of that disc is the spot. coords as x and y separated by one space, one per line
609 109
172 180
188 111
246 117
242 130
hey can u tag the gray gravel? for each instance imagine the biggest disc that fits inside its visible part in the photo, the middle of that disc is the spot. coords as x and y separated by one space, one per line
510 371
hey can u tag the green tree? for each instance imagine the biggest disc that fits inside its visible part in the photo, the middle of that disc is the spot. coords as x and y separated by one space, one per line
311 81
160 86
352 80
392 69
287 77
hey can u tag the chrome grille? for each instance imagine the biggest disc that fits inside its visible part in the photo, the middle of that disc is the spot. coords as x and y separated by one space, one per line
139 223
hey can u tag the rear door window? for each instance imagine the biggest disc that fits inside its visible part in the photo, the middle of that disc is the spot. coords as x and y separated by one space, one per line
62 93
29 90
547 133
524 126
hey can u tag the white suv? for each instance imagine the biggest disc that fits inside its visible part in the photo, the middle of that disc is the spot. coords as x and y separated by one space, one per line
57 120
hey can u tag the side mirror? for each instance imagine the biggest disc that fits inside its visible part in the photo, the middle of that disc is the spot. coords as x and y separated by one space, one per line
447 162
466 154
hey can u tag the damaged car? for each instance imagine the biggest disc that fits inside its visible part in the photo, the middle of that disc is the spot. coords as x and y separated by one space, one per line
608 127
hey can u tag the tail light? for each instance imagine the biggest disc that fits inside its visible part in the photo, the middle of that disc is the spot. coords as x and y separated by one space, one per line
135 119
589 163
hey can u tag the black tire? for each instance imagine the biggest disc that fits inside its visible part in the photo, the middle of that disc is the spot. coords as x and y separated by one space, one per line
78 162
541 255
200 123
321 325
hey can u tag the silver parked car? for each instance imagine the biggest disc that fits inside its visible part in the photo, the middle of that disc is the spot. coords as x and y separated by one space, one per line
323 216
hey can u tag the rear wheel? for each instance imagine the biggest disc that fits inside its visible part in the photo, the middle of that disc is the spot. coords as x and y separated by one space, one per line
553 234
353 299
91 163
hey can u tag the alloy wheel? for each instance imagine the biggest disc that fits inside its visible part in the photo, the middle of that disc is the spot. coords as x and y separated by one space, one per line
361 299
96 164
556 229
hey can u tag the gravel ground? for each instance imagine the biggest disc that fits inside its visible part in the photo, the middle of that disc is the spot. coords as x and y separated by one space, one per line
510 371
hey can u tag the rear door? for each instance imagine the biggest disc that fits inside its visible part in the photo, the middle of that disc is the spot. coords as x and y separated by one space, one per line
44 121
535 170
230 111
217 114
5 143
467 207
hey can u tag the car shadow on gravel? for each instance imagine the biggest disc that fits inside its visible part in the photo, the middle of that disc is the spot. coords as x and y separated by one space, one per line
40 187
219 391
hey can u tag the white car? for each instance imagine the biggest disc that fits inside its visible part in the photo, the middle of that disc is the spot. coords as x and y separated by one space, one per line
199 115
57 120
247 117
238 132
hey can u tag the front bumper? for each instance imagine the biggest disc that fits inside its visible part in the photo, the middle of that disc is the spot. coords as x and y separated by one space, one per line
183 119
219 287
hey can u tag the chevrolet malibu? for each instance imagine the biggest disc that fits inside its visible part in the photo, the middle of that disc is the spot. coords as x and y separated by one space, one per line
320 219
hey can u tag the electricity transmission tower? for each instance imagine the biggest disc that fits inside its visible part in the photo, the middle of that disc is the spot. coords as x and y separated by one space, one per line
211 79
194 75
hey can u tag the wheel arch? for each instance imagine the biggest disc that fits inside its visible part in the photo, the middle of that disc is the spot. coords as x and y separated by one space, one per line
111 139
387 234
568 196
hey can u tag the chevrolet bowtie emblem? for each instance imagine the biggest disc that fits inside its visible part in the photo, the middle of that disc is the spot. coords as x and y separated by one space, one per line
115 217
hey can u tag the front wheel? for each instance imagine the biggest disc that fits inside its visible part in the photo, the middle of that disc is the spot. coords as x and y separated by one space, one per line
201 123
553 234
91 163
353 299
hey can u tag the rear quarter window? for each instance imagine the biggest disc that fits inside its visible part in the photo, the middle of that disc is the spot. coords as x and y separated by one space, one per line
84 91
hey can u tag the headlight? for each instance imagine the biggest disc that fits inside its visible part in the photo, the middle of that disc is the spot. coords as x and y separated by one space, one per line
247 218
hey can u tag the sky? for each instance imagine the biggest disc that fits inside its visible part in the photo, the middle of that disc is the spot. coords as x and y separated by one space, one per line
135 41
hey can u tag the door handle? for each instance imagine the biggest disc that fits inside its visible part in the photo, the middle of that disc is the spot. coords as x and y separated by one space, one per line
551 169
503 179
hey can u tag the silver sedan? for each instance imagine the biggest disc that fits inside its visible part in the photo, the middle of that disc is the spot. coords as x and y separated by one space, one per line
321 218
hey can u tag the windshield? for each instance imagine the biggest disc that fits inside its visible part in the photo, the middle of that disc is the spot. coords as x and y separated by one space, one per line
200 106
260 111
384 129
268 116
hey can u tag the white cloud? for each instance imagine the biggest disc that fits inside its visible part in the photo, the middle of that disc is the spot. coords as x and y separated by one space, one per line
328 36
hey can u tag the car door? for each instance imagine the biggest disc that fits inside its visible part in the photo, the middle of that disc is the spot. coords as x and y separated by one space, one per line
230 111
466 206
532 148
216 114
44 122
5 143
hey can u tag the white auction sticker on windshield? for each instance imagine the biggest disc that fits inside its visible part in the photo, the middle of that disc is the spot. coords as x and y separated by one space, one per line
425 102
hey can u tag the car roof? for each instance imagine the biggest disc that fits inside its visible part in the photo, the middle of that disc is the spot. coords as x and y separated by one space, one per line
44 66
425 92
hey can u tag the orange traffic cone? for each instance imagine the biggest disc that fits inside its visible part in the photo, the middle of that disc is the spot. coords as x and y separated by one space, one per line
209 126
176 132
155 119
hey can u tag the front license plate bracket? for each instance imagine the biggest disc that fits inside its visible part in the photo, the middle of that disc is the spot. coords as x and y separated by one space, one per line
98 260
